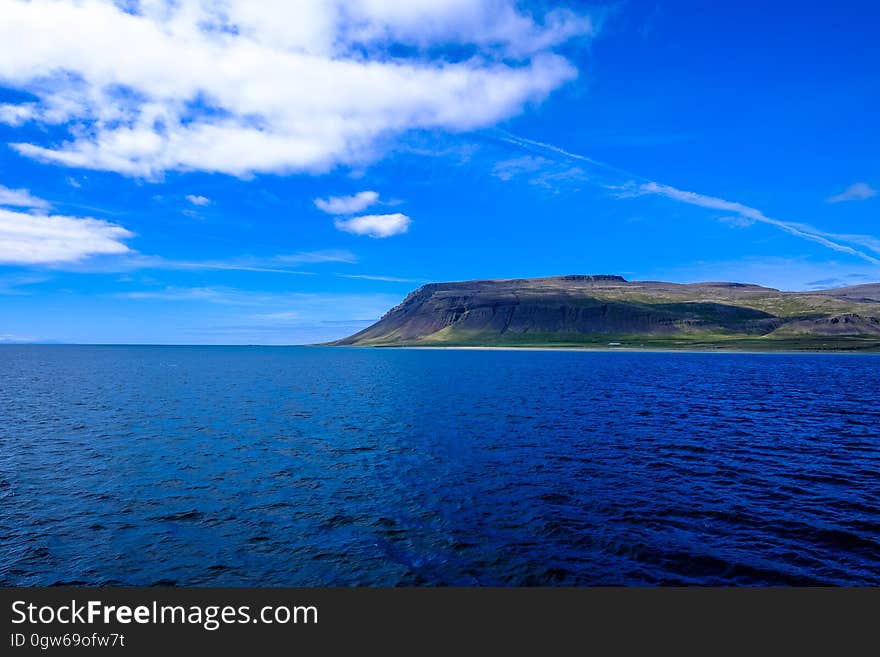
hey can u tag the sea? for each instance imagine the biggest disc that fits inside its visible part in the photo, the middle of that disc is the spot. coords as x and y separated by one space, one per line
312 466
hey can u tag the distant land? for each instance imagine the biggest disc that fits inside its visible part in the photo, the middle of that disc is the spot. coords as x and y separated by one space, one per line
604 311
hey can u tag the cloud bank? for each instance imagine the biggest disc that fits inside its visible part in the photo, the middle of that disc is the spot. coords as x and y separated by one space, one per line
238 87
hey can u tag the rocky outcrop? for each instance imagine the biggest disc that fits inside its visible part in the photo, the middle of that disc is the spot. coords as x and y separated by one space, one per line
844 324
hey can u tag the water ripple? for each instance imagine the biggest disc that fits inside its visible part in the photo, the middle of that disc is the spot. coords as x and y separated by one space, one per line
299 466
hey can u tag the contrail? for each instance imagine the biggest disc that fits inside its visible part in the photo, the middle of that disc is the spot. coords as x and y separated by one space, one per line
530 144
649 186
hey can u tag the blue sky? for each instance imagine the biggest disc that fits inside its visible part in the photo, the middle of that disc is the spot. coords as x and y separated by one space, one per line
228 173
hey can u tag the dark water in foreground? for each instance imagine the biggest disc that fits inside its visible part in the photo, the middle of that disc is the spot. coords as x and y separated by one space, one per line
310 466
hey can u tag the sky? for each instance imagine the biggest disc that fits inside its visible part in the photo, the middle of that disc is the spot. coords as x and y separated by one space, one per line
284 172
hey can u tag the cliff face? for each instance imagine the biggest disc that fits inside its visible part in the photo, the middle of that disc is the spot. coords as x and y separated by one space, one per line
573 309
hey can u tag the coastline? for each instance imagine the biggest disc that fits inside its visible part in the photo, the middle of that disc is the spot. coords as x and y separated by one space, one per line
646 350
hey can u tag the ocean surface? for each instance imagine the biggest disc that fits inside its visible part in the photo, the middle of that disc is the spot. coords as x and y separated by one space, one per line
335 466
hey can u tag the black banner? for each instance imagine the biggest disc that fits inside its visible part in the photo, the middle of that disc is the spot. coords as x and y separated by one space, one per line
322 621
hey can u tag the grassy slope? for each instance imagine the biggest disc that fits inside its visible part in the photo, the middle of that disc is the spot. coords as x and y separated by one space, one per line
697 341
789 305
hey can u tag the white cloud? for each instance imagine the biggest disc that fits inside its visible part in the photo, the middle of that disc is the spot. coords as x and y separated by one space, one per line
33 237
21 198
237 86
276 264
857 192
207 294
263 265
376 225
36 239
131 260
198 200
509 169
553 175
347 204
15 115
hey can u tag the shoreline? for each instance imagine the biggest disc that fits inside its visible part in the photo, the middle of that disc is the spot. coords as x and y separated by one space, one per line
647 350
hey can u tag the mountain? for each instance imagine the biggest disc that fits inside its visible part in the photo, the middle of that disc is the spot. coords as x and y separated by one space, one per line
596 310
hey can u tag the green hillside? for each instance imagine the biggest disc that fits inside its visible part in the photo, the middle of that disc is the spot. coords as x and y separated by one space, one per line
608 311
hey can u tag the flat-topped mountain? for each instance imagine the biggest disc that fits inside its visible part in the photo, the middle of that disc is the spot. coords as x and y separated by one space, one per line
595 310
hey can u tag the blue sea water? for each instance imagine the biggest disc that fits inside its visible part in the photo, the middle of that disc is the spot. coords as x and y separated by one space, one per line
340 466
